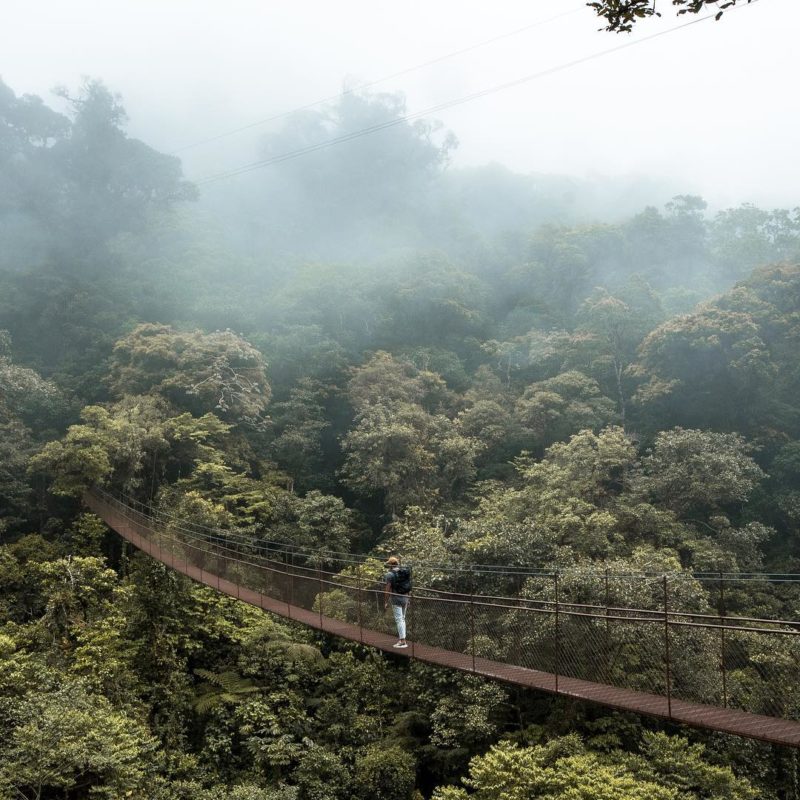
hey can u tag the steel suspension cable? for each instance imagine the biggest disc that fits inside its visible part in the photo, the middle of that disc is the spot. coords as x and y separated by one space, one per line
370 84
498 570
400 120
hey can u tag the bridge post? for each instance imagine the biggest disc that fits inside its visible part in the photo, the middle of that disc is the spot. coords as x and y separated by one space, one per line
319 578
667 659
411 605
608 630
557 632
359 600
723 668
472 622
219 563
291 578
286 553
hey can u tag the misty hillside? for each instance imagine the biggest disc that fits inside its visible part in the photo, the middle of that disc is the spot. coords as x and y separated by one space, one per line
345 342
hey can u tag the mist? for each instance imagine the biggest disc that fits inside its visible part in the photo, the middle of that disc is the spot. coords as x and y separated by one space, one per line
307 310
706 109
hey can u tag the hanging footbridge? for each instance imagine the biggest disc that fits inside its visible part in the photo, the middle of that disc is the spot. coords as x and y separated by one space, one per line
674 654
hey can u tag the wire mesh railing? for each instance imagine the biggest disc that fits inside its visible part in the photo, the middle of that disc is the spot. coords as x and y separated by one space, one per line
683 639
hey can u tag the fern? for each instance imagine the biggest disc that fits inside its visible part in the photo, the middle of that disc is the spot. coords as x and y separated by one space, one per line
293 652
221 687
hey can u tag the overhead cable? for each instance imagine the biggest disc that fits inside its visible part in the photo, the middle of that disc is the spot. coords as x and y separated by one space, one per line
370 84
400 120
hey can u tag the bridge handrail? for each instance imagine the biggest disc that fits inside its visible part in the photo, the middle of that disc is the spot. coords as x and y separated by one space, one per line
546 606
704 669
500 569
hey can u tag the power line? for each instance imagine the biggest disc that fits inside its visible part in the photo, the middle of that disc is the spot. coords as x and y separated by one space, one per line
384 79
292 154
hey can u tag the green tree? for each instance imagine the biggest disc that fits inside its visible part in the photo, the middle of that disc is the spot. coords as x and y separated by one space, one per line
70 742
383 772
561 506
555 408
345 199
78 178
299 424
562 768
615 329
711 368
747 237
400 447
697 473
201 373
321 775
24 401
668 768
113 181
120 445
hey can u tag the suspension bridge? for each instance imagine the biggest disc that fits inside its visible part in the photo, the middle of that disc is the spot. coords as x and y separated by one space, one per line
648 644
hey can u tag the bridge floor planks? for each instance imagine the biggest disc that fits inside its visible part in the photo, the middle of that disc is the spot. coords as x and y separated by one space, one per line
725 720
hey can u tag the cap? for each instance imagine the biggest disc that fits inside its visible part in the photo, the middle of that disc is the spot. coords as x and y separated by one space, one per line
392 561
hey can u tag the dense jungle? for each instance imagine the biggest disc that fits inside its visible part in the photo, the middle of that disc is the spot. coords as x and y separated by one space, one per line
457 365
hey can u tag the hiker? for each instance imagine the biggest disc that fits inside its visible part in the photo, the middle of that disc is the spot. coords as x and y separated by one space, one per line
397 590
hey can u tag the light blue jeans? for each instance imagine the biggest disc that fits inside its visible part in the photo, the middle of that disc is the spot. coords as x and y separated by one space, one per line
399 606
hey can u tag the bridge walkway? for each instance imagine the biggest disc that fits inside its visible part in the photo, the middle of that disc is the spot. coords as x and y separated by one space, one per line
140 531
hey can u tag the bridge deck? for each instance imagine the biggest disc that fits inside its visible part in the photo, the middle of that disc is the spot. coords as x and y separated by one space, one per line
726 720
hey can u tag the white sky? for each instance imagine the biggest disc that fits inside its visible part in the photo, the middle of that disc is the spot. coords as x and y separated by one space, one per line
712 108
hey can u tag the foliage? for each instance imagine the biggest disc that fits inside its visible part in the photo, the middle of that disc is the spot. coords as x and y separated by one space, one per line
470 383
400 445
668 769
222 687
25 398
122 441
384 772
71 741
552 409
201 373
698 472
622 15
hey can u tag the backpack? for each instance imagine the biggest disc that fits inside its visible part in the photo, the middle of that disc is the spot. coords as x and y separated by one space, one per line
401 582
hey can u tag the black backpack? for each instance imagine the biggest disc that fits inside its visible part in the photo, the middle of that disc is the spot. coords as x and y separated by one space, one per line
401 580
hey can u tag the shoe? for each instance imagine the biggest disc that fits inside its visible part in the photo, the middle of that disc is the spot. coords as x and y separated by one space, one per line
400 644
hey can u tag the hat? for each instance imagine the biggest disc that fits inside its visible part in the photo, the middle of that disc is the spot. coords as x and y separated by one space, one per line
392 561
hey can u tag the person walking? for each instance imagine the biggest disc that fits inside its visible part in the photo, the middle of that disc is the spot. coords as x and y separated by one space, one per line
397 591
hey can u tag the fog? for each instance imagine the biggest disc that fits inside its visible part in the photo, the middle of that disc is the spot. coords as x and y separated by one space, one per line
707 109
476 284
